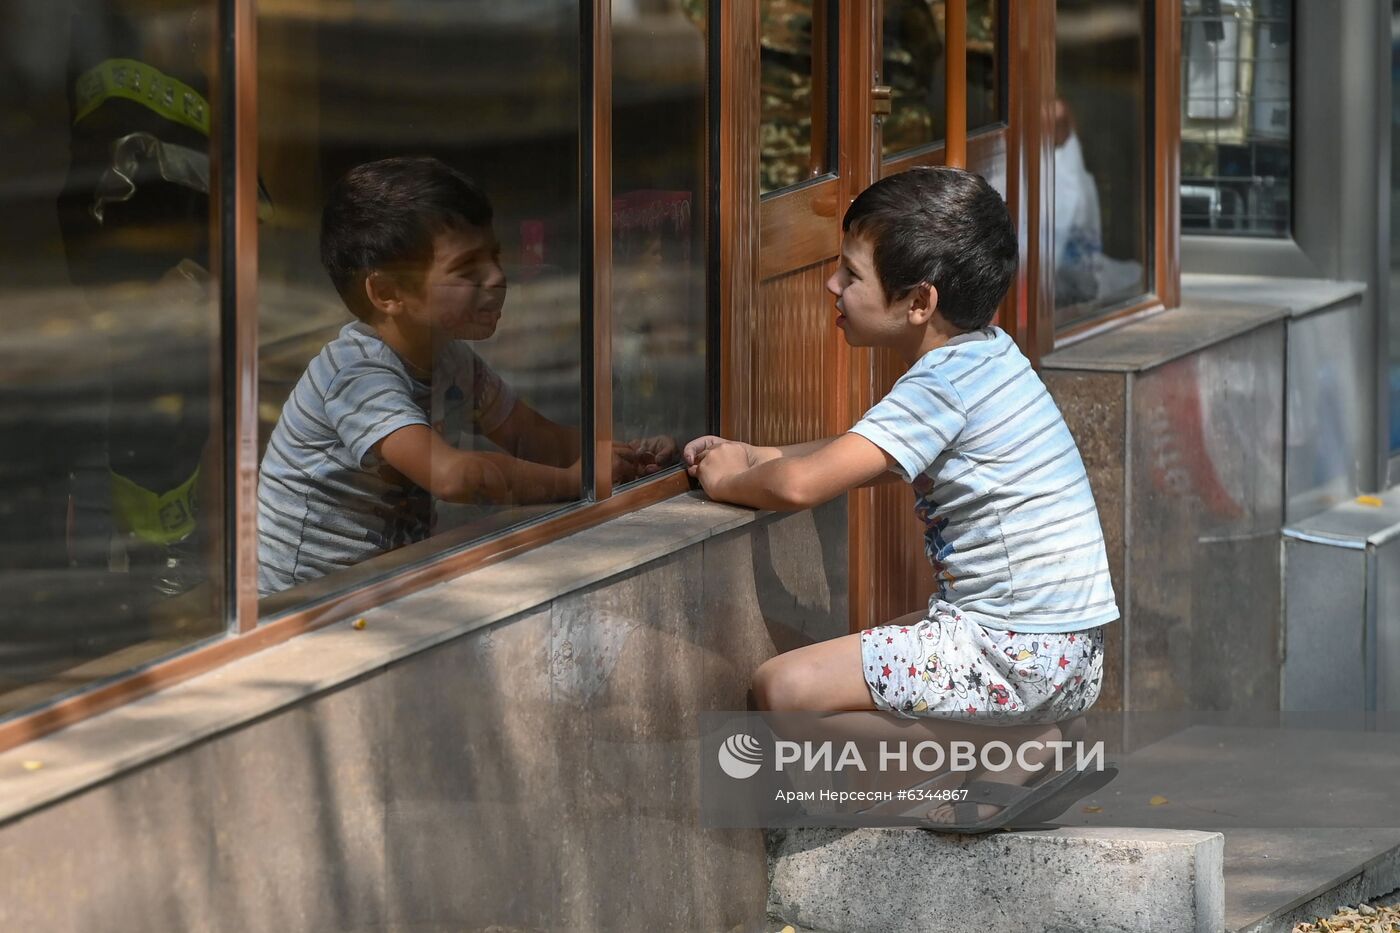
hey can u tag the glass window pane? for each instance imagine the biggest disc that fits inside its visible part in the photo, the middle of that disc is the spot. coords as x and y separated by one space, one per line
420 381
111 545
984 64
1236 118
659 231
1102 218
915 70
798 110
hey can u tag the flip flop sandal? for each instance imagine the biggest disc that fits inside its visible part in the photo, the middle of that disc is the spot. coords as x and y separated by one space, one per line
1013 799
1068 796
909 807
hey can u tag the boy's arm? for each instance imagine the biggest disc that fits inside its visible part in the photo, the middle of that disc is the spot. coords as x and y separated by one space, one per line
788 482
529 435
695 450
465 476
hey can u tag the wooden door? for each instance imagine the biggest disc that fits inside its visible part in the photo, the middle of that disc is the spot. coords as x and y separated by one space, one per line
971 133
796 147
788 374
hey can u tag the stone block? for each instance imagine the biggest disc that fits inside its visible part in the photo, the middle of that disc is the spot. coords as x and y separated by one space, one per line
303 845
801 569
135 854
1206 494
1094 406
1054 881
736 636
473 773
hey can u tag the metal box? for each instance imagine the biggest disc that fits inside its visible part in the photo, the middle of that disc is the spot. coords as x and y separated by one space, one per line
1341 629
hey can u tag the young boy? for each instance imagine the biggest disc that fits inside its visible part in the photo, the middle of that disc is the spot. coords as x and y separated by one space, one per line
1014 631
372 430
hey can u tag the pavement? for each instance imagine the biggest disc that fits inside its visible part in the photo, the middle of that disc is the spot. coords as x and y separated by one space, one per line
1310 813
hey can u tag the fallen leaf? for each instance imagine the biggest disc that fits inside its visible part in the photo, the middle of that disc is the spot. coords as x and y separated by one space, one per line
1372 501
1093 809
1158 800
359 625
32 765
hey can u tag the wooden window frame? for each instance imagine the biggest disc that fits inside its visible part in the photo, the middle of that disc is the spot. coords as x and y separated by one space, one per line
1032 107
976 138
234 219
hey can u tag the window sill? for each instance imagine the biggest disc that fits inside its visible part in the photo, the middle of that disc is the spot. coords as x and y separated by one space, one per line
55 766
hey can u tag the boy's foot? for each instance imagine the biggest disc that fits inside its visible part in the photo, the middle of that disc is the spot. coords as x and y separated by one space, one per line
1042 760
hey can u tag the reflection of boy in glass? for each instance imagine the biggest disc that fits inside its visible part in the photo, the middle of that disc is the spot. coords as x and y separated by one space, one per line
373 429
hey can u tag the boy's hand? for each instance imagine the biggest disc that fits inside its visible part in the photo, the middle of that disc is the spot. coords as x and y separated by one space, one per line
700 448
719 463
696 450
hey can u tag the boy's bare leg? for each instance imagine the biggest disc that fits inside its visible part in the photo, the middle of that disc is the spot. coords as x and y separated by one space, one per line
823 677
1039 759
827 677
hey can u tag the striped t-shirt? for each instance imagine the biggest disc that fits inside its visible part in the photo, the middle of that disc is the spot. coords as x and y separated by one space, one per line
1011 527
326 499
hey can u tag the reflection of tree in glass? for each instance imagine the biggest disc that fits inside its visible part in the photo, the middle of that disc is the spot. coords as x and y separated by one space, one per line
785 132
695 11
915 70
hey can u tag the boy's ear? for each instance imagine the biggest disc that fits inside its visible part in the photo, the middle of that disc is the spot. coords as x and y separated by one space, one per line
923 302
384 292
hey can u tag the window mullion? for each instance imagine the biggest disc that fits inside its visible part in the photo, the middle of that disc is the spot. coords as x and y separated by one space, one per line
602 252
955 102
237 155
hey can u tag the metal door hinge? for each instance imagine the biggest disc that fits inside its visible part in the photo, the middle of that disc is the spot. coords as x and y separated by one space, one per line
880 100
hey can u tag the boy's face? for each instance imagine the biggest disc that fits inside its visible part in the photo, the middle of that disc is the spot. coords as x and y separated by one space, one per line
464 287
864 315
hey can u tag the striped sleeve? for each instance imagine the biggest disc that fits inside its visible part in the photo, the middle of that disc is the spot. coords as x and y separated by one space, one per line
494 399
367 401
920 417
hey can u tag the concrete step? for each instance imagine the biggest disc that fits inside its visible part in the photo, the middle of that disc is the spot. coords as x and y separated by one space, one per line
1061 880
1218 855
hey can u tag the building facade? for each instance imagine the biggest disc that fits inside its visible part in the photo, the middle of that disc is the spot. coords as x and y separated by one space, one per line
490 725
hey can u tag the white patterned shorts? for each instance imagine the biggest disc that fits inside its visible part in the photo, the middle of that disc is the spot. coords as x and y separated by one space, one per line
949 667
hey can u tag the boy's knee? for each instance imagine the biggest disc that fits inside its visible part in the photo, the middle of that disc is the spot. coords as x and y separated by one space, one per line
778 686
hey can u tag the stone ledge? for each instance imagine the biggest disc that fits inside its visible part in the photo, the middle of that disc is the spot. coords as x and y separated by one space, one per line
1299 297
1106 880
1214 309
1163 337
163 723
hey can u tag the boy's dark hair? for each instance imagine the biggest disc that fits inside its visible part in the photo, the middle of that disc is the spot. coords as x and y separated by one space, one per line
384 214
943 226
